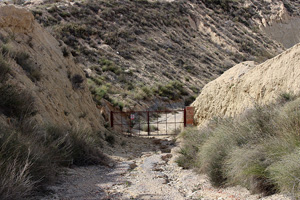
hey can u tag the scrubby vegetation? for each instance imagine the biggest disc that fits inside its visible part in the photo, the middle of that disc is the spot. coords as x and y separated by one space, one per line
31 154
23 59
258 150
136 50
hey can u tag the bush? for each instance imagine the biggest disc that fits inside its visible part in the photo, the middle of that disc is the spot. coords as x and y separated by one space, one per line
65 52
173 90
110 139
15 102
284 97
23 59
14 169
4 69
31 159
190 148
189 100
77 80
85 148
286 172
108 65
257 150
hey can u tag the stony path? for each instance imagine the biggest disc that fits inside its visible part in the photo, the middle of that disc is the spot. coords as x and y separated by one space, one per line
145 169
151 175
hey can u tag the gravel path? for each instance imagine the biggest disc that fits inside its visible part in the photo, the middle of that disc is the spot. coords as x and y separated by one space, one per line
150 175
145 169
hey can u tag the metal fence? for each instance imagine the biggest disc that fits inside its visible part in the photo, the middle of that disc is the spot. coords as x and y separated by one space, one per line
146 123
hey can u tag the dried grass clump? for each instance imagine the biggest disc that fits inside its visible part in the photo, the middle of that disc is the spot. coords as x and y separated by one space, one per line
259 150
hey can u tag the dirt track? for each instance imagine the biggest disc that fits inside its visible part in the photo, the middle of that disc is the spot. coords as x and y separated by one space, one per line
145 169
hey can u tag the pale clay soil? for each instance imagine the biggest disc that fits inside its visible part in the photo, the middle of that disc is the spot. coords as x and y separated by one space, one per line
145 169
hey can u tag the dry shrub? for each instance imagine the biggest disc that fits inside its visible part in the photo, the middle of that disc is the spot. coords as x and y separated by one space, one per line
4 69
23 59
15 102
14 180
258 150
188 152
286 173
33 156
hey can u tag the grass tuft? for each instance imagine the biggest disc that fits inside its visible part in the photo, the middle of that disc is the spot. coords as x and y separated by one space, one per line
23 59
258 150
15 102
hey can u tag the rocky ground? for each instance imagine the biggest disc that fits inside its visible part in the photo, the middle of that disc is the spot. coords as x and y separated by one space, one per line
145 168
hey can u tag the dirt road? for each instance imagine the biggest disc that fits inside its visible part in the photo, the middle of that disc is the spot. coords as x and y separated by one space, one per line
145 169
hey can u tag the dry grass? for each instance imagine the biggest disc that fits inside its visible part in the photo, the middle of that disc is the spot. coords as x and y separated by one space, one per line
259 150
33 156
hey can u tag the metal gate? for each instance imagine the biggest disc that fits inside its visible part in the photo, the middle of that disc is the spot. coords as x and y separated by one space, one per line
146 123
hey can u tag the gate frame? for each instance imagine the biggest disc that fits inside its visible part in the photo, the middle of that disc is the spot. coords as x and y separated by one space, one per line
184 110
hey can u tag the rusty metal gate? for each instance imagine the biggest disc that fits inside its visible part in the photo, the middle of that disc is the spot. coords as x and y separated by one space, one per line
146 123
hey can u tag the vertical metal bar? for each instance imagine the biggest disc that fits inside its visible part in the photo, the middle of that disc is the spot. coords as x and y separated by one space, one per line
157 122
148 120
130 123
175 123
111 119
166 122
121 123
184 117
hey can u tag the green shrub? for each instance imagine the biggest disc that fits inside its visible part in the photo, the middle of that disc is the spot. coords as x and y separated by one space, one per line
246 166
257 150
118 104
284 97
108 65
190 148
6 50
286 172
101 92
142 93
173 90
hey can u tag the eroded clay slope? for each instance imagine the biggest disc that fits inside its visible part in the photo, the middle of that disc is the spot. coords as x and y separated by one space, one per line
59 87
245 84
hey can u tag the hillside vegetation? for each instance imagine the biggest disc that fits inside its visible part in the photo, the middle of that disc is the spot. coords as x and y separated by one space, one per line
258 150
135 51
40 131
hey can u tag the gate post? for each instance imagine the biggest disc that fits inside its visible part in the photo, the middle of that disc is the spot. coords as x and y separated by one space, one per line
184 117
189 116
111 119
148 120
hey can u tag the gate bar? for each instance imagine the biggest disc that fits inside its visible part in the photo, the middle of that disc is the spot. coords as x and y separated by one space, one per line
184 117
111 119
148 120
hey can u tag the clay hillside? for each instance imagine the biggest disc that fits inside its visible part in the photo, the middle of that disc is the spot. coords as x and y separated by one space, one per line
134 52
248 128
48 119
36 64
247 84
